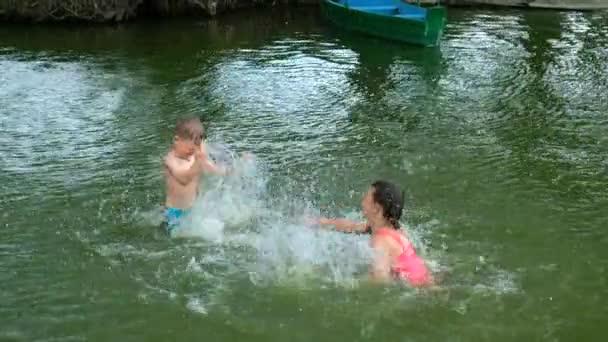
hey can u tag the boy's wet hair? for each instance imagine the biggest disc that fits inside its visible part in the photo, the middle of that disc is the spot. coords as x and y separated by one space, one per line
190 128
390 198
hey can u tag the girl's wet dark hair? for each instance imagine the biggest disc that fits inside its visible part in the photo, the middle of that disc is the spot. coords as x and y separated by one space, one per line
390 198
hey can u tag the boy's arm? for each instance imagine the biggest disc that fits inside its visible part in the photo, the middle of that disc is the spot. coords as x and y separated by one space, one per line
210 167
183 176
343 225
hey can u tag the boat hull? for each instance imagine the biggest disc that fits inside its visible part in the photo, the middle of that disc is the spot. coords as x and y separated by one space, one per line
426 32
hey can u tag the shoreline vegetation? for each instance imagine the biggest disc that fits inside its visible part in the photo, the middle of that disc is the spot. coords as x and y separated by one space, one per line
115 10
127 10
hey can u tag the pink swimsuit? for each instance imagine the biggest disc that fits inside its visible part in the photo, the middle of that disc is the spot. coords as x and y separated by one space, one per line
408 265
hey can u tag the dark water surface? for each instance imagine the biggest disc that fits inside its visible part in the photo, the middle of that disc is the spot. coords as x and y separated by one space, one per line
500 138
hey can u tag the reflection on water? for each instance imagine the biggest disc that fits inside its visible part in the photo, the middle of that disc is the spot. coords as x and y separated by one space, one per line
498 137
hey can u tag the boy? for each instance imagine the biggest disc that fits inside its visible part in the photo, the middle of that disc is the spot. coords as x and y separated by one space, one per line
183 166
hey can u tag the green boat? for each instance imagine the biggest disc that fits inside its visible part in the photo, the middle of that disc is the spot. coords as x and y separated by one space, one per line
390 19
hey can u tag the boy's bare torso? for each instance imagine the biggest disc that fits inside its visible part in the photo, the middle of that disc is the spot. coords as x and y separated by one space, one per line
180 195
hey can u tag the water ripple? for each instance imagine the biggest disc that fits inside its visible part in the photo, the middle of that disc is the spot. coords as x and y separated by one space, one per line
498 138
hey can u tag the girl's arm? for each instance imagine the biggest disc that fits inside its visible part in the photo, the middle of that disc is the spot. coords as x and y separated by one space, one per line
343 225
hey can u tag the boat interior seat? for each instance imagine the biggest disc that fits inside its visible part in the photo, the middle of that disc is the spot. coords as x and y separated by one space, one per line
391 10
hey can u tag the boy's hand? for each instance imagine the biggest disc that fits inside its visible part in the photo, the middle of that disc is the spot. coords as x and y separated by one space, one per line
198 155
200 160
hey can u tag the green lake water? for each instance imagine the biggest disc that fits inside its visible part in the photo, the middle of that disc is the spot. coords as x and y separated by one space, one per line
499 137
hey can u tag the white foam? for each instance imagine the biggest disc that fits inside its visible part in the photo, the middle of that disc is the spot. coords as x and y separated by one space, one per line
194 304
210 229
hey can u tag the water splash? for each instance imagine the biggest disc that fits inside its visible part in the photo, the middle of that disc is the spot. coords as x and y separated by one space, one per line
239 215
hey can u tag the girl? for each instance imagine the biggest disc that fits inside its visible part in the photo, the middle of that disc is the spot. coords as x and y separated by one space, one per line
396 258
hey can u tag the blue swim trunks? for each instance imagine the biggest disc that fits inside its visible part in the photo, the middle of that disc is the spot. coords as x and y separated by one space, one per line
174 218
